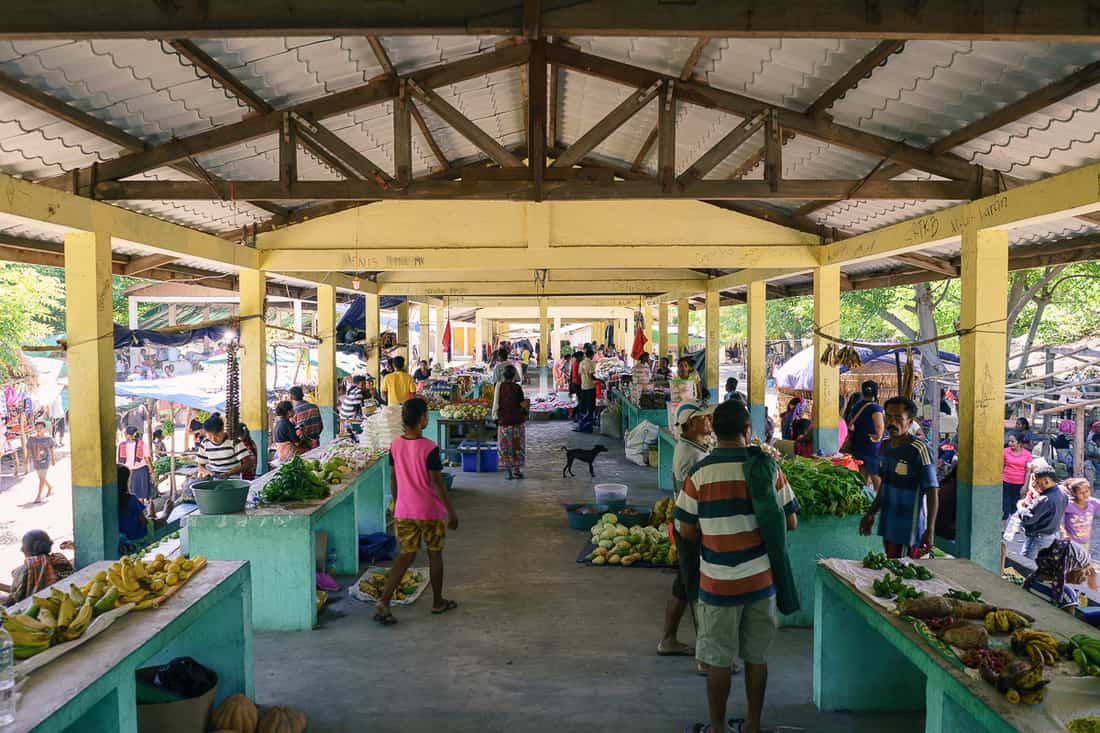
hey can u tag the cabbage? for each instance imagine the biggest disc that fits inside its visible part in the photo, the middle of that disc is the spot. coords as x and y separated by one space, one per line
609 519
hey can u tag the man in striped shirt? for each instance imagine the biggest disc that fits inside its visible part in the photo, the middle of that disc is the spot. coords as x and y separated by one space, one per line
217 455
307 417
351 406
736 607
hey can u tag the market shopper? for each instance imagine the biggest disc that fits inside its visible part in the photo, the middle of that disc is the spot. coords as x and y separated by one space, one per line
803 440
501 361
662 372
511 416
908 496
422 508
1042 517
306 417
1013 475
285 438
1080 511
398 386
351 404
685 370
640 374
718 507
731 391
422 373
694 426
1023 433
587 372
218 456
131 454
866 431
40 447
575 382
40 569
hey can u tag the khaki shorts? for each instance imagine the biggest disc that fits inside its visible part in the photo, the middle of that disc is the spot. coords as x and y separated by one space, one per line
726 633
410 533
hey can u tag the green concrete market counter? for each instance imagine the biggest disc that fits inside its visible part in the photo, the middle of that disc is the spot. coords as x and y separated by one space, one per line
634 415
867 659
93 687
666 447
280 543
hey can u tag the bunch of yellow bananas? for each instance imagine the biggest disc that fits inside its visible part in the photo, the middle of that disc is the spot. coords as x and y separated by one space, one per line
59 616
143 583
29 635
1041 648
1004 620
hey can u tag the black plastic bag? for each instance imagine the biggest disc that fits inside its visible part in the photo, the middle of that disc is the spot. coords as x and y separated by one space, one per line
185 677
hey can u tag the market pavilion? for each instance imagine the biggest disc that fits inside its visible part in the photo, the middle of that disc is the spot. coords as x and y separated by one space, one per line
499 155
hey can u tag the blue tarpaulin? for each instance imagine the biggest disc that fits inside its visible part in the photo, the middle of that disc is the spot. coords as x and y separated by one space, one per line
352 325
798 371
125 338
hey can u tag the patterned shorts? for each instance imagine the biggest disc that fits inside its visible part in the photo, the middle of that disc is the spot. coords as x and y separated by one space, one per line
410 532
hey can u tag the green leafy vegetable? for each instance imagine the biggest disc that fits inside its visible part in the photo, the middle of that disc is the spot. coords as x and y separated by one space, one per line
294 482
825 490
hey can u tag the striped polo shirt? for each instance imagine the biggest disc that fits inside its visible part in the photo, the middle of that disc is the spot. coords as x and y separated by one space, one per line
734 568
307 418
221 458
351 406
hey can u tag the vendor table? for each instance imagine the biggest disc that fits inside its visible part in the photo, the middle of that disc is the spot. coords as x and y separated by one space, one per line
93 687
280 541
666 446
866 658
433 425
634 415
443 428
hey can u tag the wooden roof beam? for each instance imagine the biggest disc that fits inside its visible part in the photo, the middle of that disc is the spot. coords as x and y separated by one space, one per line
612 121
686 72
464 125
876 57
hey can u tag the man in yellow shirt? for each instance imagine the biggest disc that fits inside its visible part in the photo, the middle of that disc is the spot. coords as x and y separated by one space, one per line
524 360
398 386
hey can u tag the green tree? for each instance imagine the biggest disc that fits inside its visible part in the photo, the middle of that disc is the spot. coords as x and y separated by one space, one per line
26 310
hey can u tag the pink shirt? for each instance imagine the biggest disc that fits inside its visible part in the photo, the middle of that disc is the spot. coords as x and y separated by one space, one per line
1016 466
841 432
417 497
1077 522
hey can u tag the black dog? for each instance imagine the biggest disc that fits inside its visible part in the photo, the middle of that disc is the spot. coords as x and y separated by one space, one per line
585 455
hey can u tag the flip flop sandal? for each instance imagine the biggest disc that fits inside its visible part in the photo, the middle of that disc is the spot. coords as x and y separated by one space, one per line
733 725
385 619
683 651
697 728
519 475
448 606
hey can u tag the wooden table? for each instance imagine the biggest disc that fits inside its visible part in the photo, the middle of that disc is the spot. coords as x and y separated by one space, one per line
93 687
867 659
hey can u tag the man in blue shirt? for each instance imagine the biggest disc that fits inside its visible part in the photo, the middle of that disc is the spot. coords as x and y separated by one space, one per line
1042 519
908 475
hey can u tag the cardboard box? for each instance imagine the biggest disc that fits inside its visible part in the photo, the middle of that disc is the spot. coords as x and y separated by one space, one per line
180 716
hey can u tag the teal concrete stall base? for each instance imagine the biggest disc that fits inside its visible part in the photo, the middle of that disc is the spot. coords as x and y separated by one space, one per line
815 538
867 659
93 687
634 415
666 448
372 496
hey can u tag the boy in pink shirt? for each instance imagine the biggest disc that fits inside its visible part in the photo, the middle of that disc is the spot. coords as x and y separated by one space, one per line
422 509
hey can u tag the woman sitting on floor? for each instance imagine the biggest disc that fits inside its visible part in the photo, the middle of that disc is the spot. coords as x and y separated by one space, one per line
41 568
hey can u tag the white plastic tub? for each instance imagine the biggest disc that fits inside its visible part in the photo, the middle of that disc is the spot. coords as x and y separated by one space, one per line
613 495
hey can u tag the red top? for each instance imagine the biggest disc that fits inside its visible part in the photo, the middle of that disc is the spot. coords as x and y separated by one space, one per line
574 372
509 410
804 448
1015 466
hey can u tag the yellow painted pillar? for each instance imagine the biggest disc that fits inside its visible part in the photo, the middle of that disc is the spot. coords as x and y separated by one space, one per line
683 317
371 333
479 336
544 345
440 325
757 350
647 319
984 271
89 328
826 378
326 360
662 329
404 348
425 345
253 358
713 345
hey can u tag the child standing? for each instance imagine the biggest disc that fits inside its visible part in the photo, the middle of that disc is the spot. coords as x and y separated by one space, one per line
41 446
1077 522
422 508
803 439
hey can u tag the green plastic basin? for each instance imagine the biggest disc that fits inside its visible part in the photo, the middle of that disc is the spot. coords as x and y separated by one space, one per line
225 496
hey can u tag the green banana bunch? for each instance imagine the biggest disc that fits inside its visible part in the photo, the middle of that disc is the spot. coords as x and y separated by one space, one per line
1087 654
29 635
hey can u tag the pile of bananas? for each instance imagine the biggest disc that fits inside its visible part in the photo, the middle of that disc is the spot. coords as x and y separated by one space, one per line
1004 620
1018 682
1086 652
662 512
59 616
1040 647
845 356
142 584
376 583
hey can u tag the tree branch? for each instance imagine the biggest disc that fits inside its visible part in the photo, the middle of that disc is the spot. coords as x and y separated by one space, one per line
904 328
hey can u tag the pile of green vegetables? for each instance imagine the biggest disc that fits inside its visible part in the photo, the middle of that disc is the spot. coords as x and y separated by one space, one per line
825 490
295 481
890 586
904 570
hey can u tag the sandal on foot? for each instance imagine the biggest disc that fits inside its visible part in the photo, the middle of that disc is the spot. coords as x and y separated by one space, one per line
676 650
734 725
697 728
385 619
519 475
447 606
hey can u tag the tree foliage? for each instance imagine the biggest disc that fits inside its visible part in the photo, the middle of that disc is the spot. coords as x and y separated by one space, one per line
27 310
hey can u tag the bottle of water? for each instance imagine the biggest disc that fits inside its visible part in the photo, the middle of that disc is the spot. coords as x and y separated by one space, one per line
331 564
7 679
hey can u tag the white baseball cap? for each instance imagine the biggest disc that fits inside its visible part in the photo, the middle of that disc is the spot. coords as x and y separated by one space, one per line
690 409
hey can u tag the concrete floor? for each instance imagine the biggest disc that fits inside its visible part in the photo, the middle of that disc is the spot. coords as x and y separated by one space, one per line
538 643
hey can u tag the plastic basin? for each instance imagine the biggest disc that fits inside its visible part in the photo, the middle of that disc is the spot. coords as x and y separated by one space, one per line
585 521
613 495
640 519
221 497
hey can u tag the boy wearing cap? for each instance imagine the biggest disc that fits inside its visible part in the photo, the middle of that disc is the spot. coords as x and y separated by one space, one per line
693 424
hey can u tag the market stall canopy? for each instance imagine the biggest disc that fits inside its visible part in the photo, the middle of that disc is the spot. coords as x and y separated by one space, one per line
797 373
201 391
126 338
346 364
352 325
52 380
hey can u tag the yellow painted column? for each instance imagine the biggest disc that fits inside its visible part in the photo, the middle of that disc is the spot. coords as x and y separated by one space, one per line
662 329
440 325
372 332
647 319
544 345
253 358
826 378
326 359
757 350
984 271
425 341
479 336
404 348
90 354
713 345
683 317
